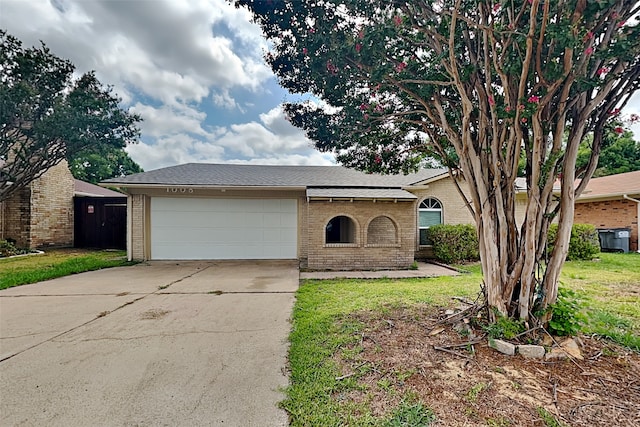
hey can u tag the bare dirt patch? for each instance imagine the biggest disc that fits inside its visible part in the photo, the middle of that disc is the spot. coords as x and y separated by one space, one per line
395 357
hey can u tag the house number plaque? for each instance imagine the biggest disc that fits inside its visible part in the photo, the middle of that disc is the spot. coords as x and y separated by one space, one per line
182 190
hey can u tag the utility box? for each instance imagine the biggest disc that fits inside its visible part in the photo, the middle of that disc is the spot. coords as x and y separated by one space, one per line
614 239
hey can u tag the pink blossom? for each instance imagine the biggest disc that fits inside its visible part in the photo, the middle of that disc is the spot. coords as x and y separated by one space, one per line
619 130
614 15
378 160
401 66
633 118
491 100
534 99
588 51
520 107
523 120
507 108
366 116
621 24
358 47
588 36
397 20
614 112
496 7
305 51
360 34
378 109
312 30
363 106
331 68
602 71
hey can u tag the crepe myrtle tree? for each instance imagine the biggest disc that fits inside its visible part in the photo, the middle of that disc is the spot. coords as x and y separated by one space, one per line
47 115
476 83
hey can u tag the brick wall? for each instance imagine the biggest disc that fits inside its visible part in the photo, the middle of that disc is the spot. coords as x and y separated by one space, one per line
137 225
366 252
41 215
610 214
52 208
16 223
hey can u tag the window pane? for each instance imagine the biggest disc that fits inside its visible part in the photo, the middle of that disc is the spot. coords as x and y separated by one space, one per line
429 218
423 237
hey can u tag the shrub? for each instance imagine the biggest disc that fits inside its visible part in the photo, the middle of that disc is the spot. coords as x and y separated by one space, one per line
7 248
454 243
584 243
567 316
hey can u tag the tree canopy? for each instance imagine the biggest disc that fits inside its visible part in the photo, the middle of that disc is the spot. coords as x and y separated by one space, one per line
103 162
46 114
620 153
478 84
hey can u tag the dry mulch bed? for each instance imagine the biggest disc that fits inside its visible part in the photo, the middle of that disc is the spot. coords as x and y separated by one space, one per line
479 386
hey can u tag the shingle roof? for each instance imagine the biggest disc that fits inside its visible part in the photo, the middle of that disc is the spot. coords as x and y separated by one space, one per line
359 193
613 185
202 174
86 189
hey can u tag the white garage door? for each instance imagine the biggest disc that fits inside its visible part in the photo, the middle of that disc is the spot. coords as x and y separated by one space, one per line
190 228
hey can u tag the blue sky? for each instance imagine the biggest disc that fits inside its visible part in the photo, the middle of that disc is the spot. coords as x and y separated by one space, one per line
193 70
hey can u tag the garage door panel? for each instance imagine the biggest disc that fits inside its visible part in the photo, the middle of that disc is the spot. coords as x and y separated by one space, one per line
192 228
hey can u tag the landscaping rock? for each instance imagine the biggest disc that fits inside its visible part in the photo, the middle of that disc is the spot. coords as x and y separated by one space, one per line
502 346
568 348
556 353
571 346
531 351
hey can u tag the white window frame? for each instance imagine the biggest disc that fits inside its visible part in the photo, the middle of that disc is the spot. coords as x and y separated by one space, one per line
431 204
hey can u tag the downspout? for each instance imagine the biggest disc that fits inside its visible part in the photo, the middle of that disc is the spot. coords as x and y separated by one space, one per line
637 217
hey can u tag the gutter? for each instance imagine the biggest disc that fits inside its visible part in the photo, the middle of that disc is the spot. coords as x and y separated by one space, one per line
625 196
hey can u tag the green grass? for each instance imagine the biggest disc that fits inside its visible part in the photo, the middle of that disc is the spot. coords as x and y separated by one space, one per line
55 263
322 328
610 288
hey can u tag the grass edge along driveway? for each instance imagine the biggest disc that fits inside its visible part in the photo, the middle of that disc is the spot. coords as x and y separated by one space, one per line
609 287
56 263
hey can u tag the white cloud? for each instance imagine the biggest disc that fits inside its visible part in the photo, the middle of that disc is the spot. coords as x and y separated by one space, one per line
170 120
181 138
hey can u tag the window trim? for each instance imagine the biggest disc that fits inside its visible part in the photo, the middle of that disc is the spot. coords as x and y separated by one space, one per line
429 209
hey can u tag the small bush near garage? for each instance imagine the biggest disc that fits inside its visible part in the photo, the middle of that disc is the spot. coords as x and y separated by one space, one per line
8 248
584 243
454 243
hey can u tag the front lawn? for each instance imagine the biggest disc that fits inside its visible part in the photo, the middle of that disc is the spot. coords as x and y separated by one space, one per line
359 356
56 263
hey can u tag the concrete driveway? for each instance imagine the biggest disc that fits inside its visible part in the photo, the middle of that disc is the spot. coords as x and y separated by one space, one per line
162 343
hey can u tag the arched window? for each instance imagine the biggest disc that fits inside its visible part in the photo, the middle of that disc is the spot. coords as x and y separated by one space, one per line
340 229
429 214
382 231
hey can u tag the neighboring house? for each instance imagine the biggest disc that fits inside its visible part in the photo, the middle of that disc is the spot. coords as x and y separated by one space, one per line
42 214
328 217
612 202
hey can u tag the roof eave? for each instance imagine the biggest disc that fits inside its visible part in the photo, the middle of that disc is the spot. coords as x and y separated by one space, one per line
124 185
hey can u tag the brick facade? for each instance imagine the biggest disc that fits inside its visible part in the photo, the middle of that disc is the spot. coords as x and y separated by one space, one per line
41 215
373 248
610 214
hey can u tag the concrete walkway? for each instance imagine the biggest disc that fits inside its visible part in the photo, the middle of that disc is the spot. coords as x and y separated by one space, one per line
163 343
424 270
